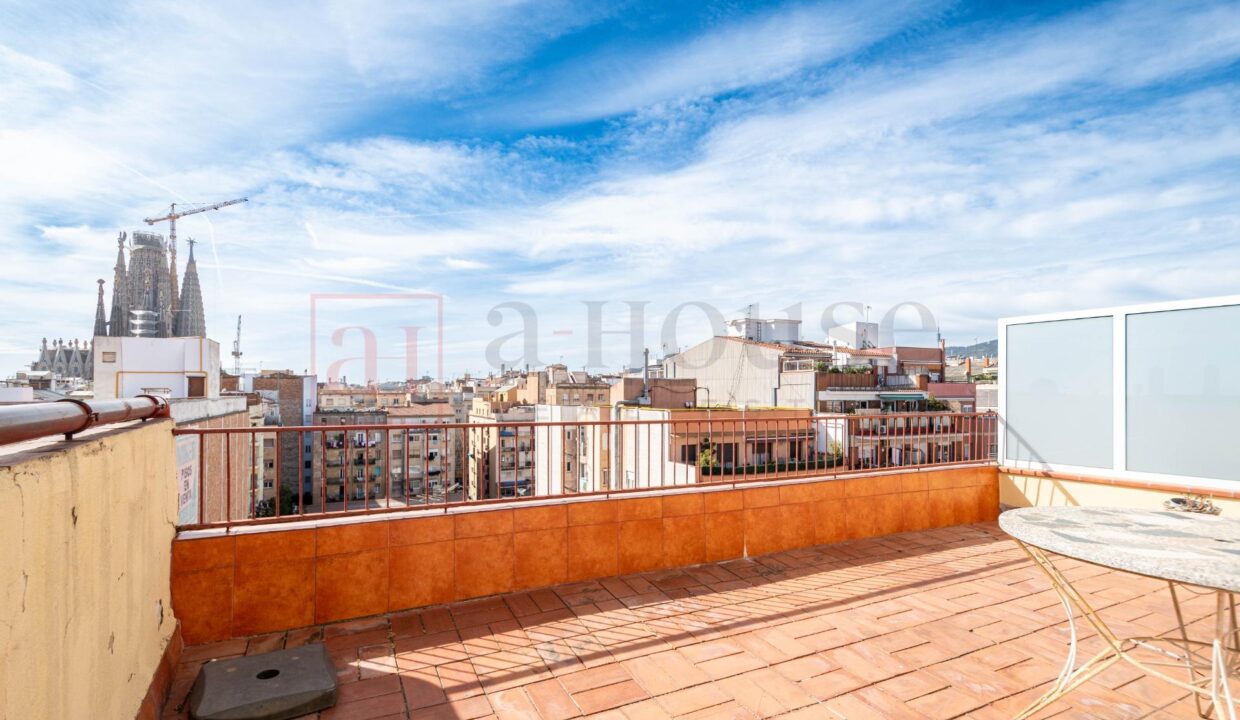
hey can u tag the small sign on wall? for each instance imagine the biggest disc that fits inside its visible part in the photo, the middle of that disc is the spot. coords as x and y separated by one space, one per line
187 479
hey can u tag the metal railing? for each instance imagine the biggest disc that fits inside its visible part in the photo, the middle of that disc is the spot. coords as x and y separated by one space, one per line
568 459
27 421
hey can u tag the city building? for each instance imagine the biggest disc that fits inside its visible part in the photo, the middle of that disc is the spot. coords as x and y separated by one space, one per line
656 392
429 458
557 385
187 367
333 396
682 447
348 464
500 451
571 458
296 397
764 364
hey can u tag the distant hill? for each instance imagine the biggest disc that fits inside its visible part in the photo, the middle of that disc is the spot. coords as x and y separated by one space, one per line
990 348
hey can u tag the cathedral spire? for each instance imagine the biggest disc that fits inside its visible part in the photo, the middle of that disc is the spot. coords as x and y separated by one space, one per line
172 275
101 319
119 327
190 319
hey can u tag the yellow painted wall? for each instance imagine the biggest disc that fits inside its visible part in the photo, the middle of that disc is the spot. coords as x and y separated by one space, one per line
85 557
1024 491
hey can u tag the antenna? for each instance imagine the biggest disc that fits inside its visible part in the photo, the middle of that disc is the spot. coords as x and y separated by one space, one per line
236 353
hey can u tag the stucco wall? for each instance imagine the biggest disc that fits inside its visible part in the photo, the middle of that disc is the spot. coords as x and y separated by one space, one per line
1024 490
86 542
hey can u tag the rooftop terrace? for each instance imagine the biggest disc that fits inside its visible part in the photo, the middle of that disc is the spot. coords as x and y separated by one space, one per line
944 623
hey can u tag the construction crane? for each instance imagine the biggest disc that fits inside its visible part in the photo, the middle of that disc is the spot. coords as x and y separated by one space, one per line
172 215
236 353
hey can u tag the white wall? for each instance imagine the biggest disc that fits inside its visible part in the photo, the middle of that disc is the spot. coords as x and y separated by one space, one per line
142 365
735 373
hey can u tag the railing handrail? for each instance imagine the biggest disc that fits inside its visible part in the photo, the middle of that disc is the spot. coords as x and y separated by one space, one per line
69 416
485 463
574 423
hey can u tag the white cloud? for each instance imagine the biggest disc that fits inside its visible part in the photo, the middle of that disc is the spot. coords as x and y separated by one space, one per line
1014 172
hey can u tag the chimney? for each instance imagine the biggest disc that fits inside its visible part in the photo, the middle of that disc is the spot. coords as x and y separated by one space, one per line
645 399
968 367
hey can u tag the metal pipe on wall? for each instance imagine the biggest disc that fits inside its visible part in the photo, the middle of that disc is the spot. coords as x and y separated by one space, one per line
69 417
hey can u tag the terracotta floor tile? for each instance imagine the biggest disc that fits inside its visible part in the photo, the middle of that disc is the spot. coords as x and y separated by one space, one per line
947 623
609 696
552 701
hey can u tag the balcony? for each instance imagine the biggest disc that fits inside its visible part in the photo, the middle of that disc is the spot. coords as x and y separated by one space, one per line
827 587
946 623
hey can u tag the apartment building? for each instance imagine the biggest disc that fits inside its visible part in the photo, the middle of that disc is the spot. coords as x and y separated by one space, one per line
296 397
428 458
500 455
763 364
336 396
682 447
351 464
557 385
572 457
657 392
880 379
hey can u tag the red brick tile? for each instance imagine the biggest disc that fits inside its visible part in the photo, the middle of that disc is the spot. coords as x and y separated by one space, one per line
761 497
351 586
543 517
639 509
683 540
694 699
421 575
763 531
608 697
540 558
202 602
482 523
682 504
723 501
421 530
551 700
466 709
951 622
724 534
371 707
872 516
641 545
354 537
664 672
593 551
765 693
278 596
797 525
484 566
270 547
596 512
204 554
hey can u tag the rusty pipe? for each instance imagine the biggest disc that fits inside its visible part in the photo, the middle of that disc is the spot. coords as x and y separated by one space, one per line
68 417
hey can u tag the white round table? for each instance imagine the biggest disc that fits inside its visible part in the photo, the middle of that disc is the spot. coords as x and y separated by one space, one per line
1184 549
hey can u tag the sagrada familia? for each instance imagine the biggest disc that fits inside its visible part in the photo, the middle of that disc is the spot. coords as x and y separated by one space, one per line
146 302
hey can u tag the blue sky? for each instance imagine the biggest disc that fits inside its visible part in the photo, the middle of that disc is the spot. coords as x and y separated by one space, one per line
981 159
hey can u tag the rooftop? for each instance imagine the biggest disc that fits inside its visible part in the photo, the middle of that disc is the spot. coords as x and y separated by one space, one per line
946 623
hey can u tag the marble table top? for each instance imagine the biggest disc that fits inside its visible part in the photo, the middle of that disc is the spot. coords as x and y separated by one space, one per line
1186 547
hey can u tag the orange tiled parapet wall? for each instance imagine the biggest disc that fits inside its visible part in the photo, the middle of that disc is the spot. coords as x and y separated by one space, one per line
239 585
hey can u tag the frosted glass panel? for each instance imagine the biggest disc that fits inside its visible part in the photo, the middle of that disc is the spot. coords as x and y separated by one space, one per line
1184 392
1059 392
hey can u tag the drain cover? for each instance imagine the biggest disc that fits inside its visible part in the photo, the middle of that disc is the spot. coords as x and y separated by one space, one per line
272 686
